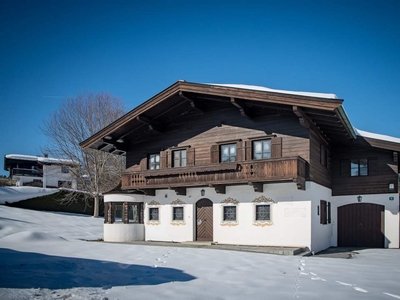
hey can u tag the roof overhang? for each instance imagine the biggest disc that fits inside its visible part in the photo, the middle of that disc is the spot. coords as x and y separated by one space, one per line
183 98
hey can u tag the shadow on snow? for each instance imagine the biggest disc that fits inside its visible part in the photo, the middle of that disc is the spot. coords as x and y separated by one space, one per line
34 270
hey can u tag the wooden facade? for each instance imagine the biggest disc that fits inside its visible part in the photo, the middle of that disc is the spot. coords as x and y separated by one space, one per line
310 138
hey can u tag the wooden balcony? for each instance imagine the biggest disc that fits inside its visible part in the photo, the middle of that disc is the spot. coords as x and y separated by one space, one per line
254 173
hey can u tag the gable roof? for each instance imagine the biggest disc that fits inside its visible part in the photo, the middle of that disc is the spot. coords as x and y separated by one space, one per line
325 111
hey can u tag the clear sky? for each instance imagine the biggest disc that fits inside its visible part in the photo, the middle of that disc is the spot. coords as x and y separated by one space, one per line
134 49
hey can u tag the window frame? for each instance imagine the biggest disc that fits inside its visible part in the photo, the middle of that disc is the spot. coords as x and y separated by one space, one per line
150 214
224 219
139 206
229 145
174 215
256 219
359 168
253 145
156 164
180 159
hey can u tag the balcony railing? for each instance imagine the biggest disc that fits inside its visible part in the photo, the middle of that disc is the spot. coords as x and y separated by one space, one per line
271 170
26 172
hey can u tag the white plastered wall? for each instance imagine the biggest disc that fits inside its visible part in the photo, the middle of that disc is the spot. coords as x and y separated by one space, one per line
291 224
391 214
52 174
118 231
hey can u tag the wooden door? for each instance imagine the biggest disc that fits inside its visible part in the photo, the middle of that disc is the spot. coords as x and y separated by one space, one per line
361 225
204 220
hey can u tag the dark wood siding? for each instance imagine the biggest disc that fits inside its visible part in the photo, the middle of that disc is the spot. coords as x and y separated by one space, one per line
200 132
319 172
382 169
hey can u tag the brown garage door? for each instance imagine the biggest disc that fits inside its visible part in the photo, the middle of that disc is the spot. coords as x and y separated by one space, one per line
204 220
361 225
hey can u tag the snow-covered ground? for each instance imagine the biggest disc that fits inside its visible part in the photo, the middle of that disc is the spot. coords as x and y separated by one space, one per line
12 194
44 255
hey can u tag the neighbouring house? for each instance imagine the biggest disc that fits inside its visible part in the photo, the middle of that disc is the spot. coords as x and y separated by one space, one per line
238 164
40 171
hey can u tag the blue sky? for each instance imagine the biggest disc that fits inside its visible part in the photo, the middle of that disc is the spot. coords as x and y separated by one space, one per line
133 49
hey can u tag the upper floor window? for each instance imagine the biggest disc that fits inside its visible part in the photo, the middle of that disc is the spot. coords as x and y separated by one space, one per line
64 169
262 149
228 153
359 167
179 158
154 161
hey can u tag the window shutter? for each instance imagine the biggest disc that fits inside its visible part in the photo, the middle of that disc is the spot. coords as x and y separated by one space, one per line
249 150
169 158
345 168
239 151
125 213
329 213
276 147
190 157
323 212
163 159
105 212
112 213
372 166
143 164
214 154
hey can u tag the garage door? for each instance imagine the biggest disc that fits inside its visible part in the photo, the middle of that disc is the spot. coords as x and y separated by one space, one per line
361 225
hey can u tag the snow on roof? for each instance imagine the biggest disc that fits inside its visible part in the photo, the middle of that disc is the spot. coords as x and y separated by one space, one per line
377 136
40 159
265 89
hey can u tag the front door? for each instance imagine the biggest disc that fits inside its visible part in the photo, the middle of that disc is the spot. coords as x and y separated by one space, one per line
361 225
204 220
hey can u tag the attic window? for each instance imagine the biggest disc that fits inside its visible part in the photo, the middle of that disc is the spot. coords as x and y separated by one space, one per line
154 161
228 153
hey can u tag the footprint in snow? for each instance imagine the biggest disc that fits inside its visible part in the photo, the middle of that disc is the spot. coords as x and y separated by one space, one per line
360 289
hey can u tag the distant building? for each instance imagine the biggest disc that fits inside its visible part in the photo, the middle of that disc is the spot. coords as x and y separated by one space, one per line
40 171
247 165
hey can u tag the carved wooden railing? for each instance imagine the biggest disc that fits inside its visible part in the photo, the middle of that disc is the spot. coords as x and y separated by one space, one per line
271 170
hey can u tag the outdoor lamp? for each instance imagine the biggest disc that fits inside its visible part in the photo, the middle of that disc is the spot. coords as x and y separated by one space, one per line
202 192
359 198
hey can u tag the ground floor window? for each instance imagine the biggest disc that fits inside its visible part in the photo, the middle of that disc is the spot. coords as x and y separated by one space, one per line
153 214
229 213
135 213
118 212
263 212
177 213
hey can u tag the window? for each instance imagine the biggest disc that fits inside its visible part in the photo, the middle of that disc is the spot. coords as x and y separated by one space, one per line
263 212
228 153
359 167
179 158
64 170
262 149
154 161
153 214
118 212
177 213
324 156
65 184
325 215
229 213
135 213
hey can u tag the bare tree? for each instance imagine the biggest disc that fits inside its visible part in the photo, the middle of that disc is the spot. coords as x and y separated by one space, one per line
76 120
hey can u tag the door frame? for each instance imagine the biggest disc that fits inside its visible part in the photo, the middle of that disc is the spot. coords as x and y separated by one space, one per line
195 219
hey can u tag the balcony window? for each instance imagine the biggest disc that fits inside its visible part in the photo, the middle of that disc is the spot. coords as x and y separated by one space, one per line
262 149
154 161
179 158
228 153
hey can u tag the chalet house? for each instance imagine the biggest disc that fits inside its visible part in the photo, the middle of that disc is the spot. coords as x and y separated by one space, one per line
40 171
237 164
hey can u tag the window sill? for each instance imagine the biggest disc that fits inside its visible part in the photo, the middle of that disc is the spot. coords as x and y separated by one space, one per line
229 223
